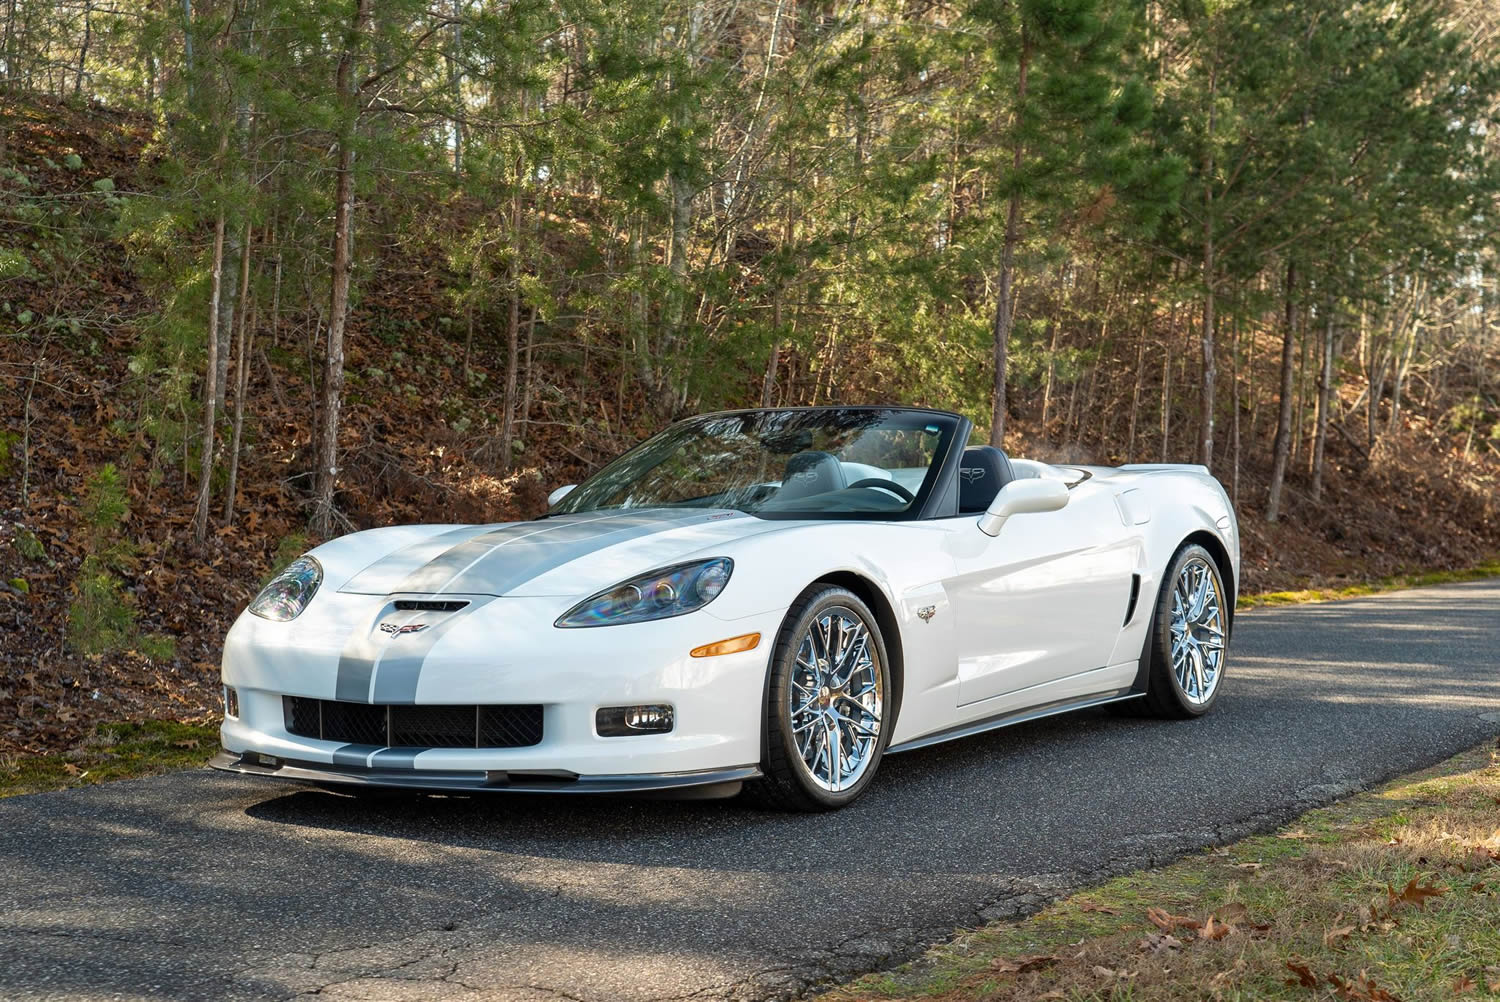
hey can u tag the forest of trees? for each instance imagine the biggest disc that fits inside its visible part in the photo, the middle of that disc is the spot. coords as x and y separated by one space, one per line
1096 218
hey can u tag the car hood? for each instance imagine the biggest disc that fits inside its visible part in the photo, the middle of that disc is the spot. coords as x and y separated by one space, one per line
567 555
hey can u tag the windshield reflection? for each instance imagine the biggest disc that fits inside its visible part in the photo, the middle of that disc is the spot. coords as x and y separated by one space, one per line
830 462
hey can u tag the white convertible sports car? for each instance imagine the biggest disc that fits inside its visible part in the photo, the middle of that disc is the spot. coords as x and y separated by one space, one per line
765 599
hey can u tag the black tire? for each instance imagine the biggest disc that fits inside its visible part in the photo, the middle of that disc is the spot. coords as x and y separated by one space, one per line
786 783
1165 696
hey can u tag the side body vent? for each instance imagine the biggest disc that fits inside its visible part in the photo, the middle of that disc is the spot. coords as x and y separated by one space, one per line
1135 596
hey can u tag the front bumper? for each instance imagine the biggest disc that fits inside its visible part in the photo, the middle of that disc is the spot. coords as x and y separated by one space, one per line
703 784
508 654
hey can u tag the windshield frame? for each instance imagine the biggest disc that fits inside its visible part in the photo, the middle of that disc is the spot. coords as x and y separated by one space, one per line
930 501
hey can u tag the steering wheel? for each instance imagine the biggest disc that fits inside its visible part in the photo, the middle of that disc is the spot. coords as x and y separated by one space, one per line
885 485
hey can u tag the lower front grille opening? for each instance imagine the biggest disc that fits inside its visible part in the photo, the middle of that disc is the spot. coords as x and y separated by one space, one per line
405 726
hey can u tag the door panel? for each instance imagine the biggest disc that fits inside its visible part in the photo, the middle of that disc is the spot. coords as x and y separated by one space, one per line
1043 600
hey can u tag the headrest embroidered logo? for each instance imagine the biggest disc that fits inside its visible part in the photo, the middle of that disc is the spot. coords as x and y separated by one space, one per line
971 473
397 629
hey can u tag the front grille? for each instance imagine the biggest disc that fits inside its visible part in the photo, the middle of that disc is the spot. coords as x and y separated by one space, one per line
403 726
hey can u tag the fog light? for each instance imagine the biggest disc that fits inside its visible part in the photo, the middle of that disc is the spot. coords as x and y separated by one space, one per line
231 702
620 721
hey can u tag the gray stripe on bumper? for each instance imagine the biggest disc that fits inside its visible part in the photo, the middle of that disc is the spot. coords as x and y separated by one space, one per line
400 665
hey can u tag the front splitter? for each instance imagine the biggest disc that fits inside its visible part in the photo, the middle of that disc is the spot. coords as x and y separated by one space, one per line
708 784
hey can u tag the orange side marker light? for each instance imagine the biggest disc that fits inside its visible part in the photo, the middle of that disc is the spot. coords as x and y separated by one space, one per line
744 642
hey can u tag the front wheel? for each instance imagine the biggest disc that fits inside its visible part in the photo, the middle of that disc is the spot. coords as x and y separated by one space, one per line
1190 637
829 697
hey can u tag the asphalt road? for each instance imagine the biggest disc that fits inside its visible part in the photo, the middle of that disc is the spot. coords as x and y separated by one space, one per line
205 886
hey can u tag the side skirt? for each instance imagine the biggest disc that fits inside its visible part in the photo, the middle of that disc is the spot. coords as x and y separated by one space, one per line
1016 717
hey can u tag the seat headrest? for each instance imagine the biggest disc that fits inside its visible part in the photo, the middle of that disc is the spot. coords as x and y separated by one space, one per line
983 470
809 473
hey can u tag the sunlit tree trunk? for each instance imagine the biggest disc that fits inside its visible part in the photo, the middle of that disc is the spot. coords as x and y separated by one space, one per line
210 387
1282 446
339 276
1005 320
1325 397
1210 277
241 378
512 327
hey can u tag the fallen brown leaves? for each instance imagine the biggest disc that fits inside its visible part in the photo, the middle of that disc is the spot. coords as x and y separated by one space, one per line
1022 964
1233 917
1360 989
1413 894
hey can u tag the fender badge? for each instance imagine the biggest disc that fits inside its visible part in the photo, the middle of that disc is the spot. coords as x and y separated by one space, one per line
926 613
396 630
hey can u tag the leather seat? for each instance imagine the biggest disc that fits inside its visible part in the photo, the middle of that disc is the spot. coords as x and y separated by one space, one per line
983 470
809 473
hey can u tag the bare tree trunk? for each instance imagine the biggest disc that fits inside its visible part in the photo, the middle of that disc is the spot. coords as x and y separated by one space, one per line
241 379
1166 400
645 368
773 361
455 86
530 379
8 51
1299 408
1206 396
512 329
1282 446
339 276
1325 397
1004 319
682 229
234 252
1375 366
1234 420
276 291
210 387
83 51
187 40
1403 367
1135 392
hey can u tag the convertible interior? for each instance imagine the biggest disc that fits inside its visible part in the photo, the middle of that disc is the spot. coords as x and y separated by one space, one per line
820 481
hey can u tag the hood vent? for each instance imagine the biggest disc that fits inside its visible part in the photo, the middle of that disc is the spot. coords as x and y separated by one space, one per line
429 605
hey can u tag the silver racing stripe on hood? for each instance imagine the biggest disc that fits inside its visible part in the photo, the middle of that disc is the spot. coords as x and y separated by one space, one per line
480 565
480 561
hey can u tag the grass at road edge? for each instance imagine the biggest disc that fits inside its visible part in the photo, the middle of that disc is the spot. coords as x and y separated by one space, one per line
1489 569
114 751
1389 895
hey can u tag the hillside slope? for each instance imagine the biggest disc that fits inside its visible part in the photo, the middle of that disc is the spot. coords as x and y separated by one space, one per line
416 446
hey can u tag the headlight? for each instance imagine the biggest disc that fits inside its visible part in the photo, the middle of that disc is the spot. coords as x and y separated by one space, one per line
290 591
671 591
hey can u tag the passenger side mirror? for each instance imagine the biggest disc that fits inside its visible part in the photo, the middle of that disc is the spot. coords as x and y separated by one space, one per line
1022 497
559 494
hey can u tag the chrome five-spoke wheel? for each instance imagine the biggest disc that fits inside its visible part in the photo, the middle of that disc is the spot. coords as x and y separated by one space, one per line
835 700
1197 628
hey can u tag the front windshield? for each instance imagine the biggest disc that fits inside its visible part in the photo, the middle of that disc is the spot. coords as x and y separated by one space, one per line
834 462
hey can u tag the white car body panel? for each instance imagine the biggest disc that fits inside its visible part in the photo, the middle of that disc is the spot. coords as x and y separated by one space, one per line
981 629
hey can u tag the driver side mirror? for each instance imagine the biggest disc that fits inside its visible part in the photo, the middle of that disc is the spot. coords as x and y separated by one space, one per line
559 494
1022 497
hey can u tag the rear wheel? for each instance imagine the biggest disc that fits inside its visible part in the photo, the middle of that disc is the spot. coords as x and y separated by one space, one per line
1189 642
829 696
